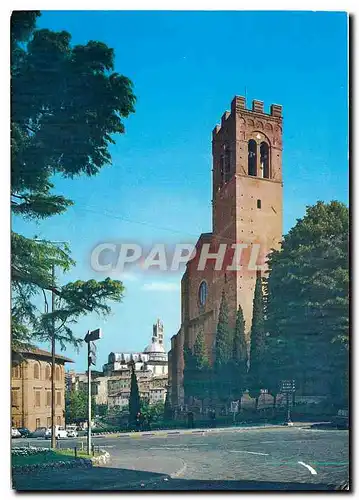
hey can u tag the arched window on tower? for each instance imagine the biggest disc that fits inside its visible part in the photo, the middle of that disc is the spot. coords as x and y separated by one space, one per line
264 150
252 157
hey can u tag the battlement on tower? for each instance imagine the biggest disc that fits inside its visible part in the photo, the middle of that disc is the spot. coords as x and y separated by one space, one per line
238 104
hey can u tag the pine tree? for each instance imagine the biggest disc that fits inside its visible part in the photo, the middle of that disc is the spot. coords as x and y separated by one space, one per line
134 402
67 105
257 349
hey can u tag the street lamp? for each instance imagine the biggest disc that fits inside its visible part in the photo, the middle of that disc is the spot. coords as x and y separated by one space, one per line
288 387
90 339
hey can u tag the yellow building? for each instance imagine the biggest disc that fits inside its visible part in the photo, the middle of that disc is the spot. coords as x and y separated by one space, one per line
31 389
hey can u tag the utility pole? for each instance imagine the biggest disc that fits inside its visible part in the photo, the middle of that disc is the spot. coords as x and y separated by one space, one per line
53 365
89 398
91 360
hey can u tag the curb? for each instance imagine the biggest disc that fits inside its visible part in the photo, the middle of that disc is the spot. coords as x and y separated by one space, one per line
212 430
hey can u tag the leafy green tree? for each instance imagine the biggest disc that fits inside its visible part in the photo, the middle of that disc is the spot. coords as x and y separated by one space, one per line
257 346
152 412
67 104
239 356
76 406
134 402
308 301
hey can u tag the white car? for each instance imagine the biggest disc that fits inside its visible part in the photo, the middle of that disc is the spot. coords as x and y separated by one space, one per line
60 432
72 431
15 433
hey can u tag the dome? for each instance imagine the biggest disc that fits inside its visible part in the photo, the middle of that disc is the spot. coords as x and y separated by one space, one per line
155 347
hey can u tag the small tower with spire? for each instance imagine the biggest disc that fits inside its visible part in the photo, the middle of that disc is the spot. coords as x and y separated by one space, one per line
158 332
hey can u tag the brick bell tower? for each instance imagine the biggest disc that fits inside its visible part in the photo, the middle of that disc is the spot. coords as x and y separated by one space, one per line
247 193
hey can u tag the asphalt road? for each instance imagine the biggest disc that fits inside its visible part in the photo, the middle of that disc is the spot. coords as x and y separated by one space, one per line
260 459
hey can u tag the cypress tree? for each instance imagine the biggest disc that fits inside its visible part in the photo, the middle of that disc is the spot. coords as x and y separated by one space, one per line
201 368
134 402
257 349
223 349
223 354
239 341
188 372
199 352
239 356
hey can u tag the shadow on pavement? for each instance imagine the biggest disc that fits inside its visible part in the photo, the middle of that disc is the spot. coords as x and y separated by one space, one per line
110 479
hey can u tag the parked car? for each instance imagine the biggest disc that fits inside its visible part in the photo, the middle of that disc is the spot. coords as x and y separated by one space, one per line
60 432
15 433
72 431
39 432
24 432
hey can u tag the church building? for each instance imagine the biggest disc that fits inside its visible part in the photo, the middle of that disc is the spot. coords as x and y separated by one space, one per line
246 212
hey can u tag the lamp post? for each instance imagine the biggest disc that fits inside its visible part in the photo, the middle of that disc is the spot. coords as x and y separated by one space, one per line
288 388
90 339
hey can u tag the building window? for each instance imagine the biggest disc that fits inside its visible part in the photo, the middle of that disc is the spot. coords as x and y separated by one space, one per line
252 157
48 422
203 292
264 157
15 398
36 371
48 398
259 204
48 372
58 420
37 398
16 371
57 372
37 423
58 398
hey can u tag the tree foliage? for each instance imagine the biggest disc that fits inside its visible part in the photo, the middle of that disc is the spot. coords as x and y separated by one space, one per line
67 103
308 303
76 406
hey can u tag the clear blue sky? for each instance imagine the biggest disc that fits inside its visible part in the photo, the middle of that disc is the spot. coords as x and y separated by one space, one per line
186 68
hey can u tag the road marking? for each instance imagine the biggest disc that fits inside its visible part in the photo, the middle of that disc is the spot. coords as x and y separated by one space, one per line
177 447
251 452
312 471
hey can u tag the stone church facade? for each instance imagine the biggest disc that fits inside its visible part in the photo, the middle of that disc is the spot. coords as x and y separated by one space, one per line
246 211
